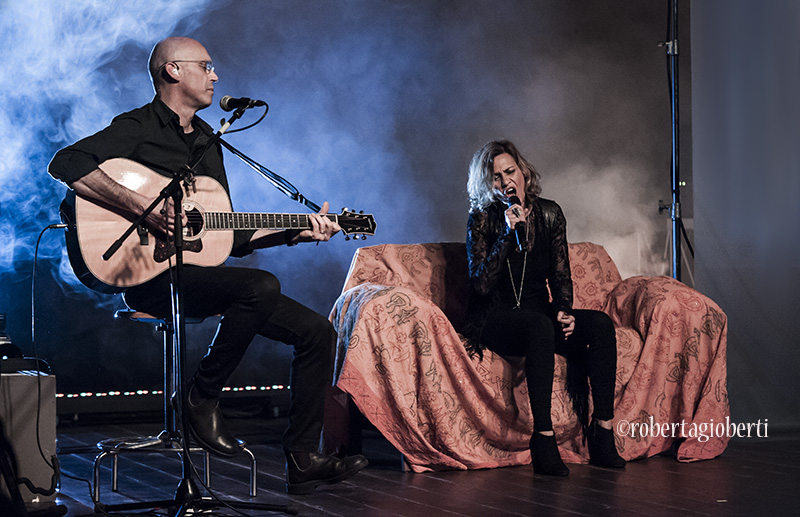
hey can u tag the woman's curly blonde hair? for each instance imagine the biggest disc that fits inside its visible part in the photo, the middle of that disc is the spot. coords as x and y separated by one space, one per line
480 184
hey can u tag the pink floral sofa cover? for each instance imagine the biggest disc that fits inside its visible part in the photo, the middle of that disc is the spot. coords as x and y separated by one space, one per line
401 362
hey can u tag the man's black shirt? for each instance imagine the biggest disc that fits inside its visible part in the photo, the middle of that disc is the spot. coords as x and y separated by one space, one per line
152 136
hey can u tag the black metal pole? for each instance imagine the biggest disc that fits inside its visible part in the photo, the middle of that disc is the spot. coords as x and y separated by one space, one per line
675 212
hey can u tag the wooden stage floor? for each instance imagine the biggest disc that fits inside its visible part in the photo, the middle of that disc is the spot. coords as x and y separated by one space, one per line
753 477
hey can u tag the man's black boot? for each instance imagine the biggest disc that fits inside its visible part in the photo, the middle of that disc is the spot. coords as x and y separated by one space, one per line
208 427
307 470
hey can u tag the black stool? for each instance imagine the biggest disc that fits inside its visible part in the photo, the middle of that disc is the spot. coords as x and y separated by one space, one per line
169 440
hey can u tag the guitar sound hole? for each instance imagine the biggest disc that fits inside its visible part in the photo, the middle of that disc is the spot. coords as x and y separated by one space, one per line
194 224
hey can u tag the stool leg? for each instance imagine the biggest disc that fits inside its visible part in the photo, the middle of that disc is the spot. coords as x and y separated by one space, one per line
207 468
253 471
96 474
114 471
170 426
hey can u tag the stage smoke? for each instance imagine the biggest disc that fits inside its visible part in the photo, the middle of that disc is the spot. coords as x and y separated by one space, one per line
63 81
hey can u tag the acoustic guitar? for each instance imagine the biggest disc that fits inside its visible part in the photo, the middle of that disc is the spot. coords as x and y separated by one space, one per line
208 234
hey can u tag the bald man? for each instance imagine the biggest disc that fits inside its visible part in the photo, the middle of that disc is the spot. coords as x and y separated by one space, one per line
165 135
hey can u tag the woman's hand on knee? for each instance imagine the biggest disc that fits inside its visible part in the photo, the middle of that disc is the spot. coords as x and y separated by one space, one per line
567 323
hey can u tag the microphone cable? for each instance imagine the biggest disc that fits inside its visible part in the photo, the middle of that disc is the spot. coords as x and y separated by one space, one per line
52 462
266 109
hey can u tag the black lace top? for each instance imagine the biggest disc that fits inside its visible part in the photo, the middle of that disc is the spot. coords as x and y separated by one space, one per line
491 252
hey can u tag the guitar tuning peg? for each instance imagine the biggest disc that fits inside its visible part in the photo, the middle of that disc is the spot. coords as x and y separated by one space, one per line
347 237
361 212
345 209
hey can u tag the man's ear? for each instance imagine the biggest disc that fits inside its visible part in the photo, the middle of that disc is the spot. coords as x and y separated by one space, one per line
171 73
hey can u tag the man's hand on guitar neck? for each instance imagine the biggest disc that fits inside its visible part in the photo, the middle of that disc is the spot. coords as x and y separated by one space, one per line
322 228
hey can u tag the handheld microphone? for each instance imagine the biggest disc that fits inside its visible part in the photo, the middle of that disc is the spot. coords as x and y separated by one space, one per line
228 103
519 228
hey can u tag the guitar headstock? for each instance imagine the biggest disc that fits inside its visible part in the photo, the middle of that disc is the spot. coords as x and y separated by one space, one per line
357 224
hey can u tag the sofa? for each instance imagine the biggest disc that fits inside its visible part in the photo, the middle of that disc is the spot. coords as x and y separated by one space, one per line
401 363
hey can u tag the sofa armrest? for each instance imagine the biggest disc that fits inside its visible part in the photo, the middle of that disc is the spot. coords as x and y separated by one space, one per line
638 302
680 377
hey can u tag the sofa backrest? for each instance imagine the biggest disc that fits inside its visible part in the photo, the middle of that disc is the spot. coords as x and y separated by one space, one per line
594 275
428 268
424 268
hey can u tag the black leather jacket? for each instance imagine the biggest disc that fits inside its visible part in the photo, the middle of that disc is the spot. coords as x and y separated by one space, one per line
493 261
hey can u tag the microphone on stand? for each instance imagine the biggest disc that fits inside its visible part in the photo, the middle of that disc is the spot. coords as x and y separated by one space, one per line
228 103
519 228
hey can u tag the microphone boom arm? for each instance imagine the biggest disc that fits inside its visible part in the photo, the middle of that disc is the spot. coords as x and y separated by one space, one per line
277 181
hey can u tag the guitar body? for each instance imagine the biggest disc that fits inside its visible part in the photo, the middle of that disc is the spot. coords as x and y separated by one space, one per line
97 227
207 239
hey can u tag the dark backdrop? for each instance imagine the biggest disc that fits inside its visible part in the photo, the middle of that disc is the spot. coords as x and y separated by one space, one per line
746 75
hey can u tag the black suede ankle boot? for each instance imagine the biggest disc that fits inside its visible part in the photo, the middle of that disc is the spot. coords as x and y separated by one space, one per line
602 450
545 457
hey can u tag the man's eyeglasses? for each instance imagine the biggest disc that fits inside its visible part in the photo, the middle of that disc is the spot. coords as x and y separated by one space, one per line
207 65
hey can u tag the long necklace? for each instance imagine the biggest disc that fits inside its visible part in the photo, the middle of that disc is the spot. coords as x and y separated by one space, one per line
518 296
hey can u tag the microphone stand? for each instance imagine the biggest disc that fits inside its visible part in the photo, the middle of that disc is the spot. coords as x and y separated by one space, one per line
187 495
674 208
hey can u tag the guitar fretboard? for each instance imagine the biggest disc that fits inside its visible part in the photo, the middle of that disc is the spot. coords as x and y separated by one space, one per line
257 221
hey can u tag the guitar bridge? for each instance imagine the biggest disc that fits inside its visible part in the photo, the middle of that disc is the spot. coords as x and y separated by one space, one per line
163 250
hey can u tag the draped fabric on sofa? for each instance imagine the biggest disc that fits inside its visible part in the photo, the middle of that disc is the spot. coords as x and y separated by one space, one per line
402 363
